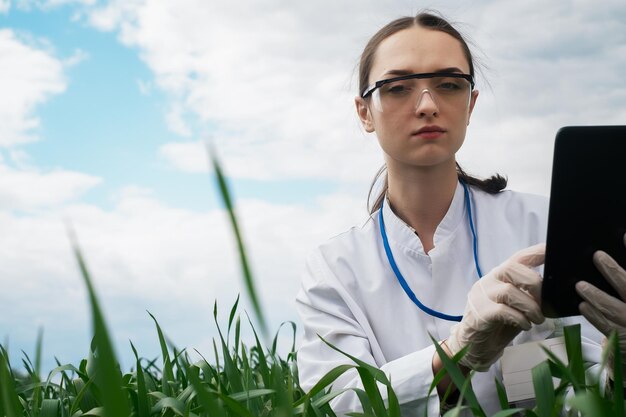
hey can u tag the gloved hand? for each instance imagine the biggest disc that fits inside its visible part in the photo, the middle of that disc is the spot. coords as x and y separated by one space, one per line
499 306
604 311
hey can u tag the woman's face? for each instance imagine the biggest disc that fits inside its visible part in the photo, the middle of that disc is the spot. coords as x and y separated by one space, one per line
431 129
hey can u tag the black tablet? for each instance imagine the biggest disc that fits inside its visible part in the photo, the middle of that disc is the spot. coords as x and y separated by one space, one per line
587 213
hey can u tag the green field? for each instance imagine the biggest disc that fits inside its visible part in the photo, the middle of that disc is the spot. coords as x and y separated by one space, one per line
236 379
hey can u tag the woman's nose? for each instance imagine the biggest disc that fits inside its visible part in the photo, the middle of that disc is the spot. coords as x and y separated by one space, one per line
426 104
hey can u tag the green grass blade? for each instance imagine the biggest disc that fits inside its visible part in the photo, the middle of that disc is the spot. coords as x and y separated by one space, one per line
544 390
168 374
50 407
394 404
466 385
231 317
83 400
366 404
38 350
263 368
237 335
108 377
376 373
61 370
243 259
561 371
10 404
618 378
502 397
161 407
456 411
235 406
180 363
325 381
143 406
206 400
322 402
293 392
293 338
443 373
28 365
233 374
573 347
255 393
186 394
509 412
371 388
281 401
36 397
218 380
460 381
208 371
95 412
33 371
158 395
325 399
591 404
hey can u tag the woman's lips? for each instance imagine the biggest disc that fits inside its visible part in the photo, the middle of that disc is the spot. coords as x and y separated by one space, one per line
429 132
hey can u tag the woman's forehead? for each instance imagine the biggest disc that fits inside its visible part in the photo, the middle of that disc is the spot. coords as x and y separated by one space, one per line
418 50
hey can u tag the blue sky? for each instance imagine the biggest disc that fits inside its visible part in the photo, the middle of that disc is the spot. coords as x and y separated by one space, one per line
106 126
106 107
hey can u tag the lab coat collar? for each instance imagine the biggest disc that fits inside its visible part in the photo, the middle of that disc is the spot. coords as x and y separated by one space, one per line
404 235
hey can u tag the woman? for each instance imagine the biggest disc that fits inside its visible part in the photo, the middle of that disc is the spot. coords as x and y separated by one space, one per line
412 270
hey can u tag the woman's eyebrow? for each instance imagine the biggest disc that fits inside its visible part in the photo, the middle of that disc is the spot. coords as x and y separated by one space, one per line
449 70
400 72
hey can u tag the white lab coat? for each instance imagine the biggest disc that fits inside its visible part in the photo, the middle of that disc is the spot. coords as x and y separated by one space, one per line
351 297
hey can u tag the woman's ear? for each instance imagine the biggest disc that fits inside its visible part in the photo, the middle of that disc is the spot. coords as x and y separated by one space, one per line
364 113
472 103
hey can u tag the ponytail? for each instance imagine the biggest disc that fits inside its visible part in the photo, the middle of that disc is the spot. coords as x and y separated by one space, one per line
491 185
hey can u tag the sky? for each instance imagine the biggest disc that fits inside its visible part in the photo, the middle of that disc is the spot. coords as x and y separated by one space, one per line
106 109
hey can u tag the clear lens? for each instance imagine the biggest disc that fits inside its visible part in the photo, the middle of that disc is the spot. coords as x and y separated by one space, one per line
405 94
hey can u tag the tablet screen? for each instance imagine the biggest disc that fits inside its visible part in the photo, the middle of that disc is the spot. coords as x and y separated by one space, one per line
587 213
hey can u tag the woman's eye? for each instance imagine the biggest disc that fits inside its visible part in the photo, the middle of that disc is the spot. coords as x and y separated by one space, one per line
397 89
448 86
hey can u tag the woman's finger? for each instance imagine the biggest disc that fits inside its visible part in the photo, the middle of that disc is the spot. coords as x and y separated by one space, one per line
614 274
610 307
596 318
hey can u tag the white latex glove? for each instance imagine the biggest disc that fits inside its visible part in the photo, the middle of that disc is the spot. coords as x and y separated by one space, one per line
499 306
604 311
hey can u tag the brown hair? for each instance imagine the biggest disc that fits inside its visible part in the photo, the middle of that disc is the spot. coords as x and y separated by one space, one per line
493 184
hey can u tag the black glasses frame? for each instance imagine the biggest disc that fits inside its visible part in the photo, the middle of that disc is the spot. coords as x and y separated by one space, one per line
380 83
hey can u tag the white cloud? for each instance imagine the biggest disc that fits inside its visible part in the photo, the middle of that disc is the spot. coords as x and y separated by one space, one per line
20 159
54 3
273 81
29 75
5 6
274 88
176 122
77 57
50 4
271 161
145 87
29 189
146 255
550 65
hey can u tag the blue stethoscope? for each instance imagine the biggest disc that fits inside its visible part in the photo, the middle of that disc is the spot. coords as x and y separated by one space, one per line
401 279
